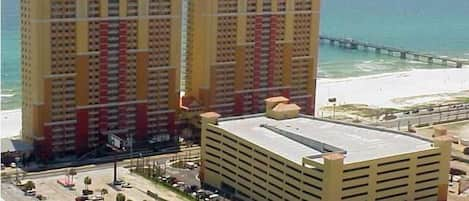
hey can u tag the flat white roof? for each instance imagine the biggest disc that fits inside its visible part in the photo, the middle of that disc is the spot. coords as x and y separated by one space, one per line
360 143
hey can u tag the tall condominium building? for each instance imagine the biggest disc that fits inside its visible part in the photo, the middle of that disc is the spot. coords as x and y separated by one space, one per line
242 51
284 155
92 68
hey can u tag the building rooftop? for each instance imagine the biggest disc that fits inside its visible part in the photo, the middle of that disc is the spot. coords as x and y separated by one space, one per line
306 136
13 145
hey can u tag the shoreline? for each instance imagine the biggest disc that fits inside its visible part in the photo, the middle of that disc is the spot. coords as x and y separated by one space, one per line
394 90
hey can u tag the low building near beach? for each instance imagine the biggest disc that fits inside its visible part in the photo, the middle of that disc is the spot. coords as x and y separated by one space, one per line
12 148
283 155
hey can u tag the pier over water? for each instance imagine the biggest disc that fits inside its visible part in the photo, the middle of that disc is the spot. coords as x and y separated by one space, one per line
349 43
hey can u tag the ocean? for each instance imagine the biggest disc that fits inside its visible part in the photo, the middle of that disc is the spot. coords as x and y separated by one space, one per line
431 26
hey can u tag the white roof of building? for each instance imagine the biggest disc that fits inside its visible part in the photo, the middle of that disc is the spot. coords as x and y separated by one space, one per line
361 143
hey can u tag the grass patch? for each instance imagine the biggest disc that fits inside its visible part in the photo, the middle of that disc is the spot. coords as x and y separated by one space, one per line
362 110
166 186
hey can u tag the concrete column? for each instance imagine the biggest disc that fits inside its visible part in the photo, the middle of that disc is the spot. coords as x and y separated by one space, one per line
430 59
403 55
333 174
209 118
444 144
206 118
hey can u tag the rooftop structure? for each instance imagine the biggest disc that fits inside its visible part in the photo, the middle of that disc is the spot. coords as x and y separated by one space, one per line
283 155
359 142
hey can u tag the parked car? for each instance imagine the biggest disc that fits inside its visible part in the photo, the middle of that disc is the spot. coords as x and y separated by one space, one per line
87 192
30 193
126 185
81 198
96 198
13 165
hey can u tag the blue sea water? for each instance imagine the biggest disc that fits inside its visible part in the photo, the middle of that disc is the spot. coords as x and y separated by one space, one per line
432 26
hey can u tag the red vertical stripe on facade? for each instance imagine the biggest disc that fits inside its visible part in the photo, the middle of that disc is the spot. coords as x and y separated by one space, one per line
122 73
44 146
142 121
103 74
310 106
272 53
81 137
286 93
257 61
238 110
172 123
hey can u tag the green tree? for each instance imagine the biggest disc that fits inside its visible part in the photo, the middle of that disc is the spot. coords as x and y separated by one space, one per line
87 181
120 197
104 191
29 185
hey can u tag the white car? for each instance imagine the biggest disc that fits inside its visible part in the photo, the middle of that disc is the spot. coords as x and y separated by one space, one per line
13 165
30 193
96 197
126 185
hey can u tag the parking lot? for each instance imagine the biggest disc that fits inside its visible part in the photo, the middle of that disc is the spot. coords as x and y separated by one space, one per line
100 179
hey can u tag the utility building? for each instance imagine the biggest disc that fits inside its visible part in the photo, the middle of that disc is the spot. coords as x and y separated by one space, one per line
97 67
242 51
283 155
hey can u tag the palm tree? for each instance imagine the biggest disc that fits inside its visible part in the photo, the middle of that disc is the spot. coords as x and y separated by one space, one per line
120 197
72 172
104 191
29 185
87 181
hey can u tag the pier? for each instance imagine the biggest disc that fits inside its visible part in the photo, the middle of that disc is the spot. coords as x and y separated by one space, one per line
349 43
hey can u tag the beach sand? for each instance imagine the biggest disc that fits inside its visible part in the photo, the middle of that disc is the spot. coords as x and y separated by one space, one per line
396 90
10 123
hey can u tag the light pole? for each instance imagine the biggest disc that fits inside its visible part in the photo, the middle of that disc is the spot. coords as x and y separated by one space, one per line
333 101
131 144
17 159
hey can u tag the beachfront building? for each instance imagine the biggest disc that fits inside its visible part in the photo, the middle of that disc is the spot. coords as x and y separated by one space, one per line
284 155
242 51
92 68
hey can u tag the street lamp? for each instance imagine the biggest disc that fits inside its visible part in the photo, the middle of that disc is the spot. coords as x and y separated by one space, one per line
333 101
131 144
17 159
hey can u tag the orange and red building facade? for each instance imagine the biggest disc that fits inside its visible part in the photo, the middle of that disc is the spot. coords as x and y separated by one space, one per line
92 68
97 67
243 51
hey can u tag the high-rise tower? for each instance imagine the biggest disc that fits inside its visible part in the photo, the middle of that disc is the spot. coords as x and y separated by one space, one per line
243 51
92 68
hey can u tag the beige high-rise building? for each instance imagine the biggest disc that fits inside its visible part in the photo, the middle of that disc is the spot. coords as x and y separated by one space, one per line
284 155
92 68
242 51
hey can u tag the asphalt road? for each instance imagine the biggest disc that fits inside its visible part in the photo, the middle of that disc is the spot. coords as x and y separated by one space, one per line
404 121
87 168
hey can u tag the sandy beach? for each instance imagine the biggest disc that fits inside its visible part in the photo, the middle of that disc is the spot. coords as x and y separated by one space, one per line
10 123
396 90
